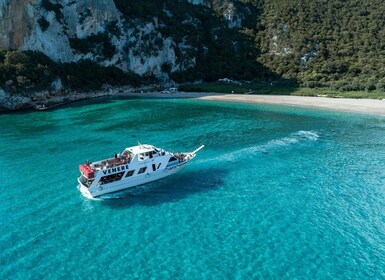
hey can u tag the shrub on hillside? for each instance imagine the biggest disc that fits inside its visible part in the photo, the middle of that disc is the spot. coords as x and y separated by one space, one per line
44 24
56 8
30 71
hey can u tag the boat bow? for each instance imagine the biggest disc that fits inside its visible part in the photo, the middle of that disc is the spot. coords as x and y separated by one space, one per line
197 150
191 155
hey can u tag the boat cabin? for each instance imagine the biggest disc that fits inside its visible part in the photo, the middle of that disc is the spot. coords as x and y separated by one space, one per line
130 155
142 152
113 168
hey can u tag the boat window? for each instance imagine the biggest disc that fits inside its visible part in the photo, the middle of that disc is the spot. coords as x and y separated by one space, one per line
110 178
153 167
172 159
159 165
142 170
130 173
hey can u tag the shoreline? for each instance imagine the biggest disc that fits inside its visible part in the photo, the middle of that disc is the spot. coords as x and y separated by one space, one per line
364 106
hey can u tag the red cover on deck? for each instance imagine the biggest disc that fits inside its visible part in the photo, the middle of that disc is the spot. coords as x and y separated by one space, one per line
86 170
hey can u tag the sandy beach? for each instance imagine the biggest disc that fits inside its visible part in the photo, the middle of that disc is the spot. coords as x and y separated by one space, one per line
366 106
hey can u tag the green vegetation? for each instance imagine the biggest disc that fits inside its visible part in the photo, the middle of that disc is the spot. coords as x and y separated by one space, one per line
338 45
218 51
311 47
254 87
44 24
56 8
88 75
30 71
112 28
99 44
277 88
23 71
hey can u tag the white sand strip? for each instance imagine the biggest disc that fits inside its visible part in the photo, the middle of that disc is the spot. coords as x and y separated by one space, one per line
367 106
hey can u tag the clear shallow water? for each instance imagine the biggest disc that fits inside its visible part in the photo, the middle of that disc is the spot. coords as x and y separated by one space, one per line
278 192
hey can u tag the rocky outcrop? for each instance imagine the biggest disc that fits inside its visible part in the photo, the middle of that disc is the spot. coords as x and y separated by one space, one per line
16 22
54 98
57 28
72 30
12 102
48 26
196 2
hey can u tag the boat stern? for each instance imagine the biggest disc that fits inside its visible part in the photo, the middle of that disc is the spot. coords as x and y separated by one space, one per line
85 191
83 187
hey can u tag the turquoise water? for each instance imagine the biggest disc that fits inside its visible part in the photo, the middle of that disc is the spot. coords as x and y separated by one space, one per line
278 192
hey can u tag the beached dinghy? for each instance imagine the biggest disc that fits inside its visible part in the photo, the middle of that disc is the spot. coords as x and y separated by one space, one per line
137 165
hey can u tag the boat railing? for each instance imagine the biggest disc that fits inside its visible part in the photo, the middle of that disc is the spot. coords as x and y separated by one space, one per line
85 181
109 163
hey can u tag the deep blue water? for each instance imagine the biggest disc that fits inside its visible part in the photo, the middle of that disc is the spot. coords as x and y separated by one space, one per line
277 193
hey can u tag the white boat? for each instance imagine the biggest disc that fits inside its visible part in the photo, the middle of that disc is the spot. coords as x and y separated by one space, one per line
137 165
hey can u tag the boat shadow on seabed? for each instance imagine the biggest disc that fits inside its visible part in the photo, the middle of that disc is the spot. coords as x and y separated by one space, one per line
168 189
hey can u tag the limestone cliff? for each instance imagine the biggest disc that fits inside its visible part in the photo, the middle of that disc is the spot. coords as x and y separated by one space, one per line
72 30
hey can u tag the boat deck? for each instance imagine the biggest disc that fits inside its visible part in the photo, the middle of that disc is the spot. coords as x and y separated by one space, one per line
109 163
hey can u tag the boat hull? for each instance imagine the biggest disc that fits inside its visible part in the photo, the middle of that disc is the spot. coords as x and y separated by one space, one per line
126 184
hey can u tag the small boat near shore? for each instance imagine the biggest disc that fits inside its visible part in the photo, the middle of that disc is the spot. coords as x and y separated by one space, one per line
137 165
44 107
41 107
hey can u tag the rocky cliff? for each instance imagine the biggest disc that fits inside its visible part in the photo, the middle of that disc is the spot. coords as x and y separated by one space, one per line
337 44
106 32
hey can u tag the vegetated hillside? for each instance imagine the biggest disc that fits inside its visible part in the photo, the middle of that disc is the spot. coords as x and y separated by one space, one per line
339 43
31 71
315 43
163 41
210 37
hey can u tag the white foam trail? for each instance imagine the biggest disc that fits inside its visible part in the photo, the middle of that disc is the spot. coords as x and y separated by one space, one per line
123 193
86 195
293 138
310 135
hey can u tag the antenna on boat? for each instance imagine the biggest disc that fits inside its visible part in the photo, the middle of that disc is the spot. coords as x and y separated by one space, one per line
140 144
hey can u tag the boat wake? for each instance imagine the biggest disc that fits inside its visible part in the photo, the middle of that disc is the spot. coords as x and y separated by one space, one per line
86 194
119 194
300 136
293 138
